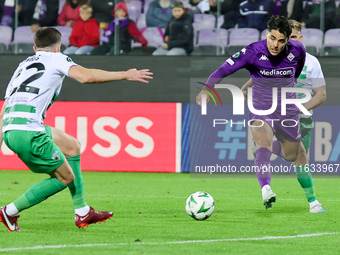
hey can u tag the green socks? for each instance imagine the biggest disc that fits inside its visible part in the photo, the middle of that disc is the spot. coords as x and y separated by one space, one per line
306 181
38 193
46 188
77 187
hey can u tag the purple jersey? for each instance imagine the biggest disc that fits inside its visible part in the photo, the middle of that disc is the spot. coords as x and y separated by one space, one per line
266 71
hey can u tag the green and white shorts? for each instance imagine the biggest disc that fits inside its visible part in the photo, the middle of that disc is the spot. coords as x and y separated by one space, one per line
36 149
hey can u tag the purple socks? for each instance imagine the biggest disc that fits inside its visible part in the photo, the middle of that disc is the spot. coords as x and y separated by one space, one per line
262 163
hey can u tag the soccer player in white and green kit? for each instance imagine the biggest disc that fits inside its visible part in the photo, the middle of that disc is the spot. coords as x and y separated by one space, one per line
311 78
32 89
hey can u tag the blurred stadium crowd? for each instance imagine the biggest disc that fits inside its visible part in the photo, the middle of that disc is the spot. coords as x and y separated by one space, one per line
219 26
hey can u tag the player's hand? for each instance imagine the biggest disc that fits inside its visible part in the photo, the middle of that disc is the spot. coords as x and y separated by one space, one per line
139 75
199 97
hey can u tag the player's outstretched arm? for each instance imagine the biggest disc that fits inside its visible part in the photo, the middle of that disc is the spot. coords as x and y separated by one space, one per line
87 75
319 97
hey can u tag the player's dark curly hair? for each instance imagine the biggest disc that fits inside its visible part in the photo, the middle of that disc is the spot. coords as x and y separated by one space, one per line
47 36
281 24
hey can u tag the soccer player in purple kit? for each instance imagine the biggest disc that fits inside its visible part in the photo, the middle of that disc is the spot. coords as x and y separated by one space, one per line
311 79
272 63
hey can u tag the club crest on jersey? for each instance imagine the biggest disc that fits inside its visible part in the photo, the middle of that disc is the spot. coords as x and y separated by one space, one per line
56 155
290 56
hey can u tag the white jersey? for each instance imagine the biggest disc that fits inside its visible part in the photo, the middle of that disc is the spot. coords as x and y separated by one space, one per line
311 77
34 86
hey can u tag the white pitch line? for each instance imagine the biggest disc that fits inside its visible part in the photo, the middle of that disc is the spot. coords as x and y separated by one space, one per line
168 197
40 247
227 198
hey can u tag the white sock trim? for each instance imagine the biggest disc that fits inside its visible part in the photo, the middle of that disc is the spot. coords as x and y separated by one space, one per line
265 188
12 210
82 211
314 203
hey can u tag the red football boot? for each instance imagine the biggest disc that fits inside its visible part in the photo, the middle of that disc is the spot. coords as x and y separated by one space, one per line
11 222
91 217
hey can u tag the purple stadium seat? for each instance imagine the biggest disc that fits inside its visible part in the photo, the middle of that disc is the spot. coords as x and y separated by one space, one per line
241 37
23 40
332 37
312 39
65 34
6 37
204 21
220 21
209 39
141 21
331 46
134 9
154 36
23 34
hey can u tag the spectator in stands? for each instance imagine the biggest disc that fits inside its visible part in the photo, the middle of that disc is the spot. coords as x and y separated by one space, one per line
70 12
85 33
254 14
202 6
336 20
102 10
231 13
311 17
292 9
126 30
7 13
2 5
178 36
39 13
210 6
159 13
275 7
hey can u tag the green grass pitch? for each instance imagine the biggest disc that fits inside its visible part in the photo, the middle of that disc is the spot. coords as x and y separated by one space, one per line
150 217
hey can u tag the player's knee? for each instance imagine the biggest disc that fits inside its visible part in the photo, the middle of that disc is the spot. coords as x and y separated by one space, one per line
69 179
302 156
302 159
75 150
292 157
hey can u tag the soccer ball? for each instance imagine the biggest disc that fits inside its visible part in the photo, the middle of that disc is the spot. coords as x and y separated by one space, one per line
200 205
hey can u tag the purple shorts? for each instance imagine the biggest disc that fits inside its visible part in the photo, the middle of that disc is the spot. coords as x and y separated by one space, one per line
284 127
